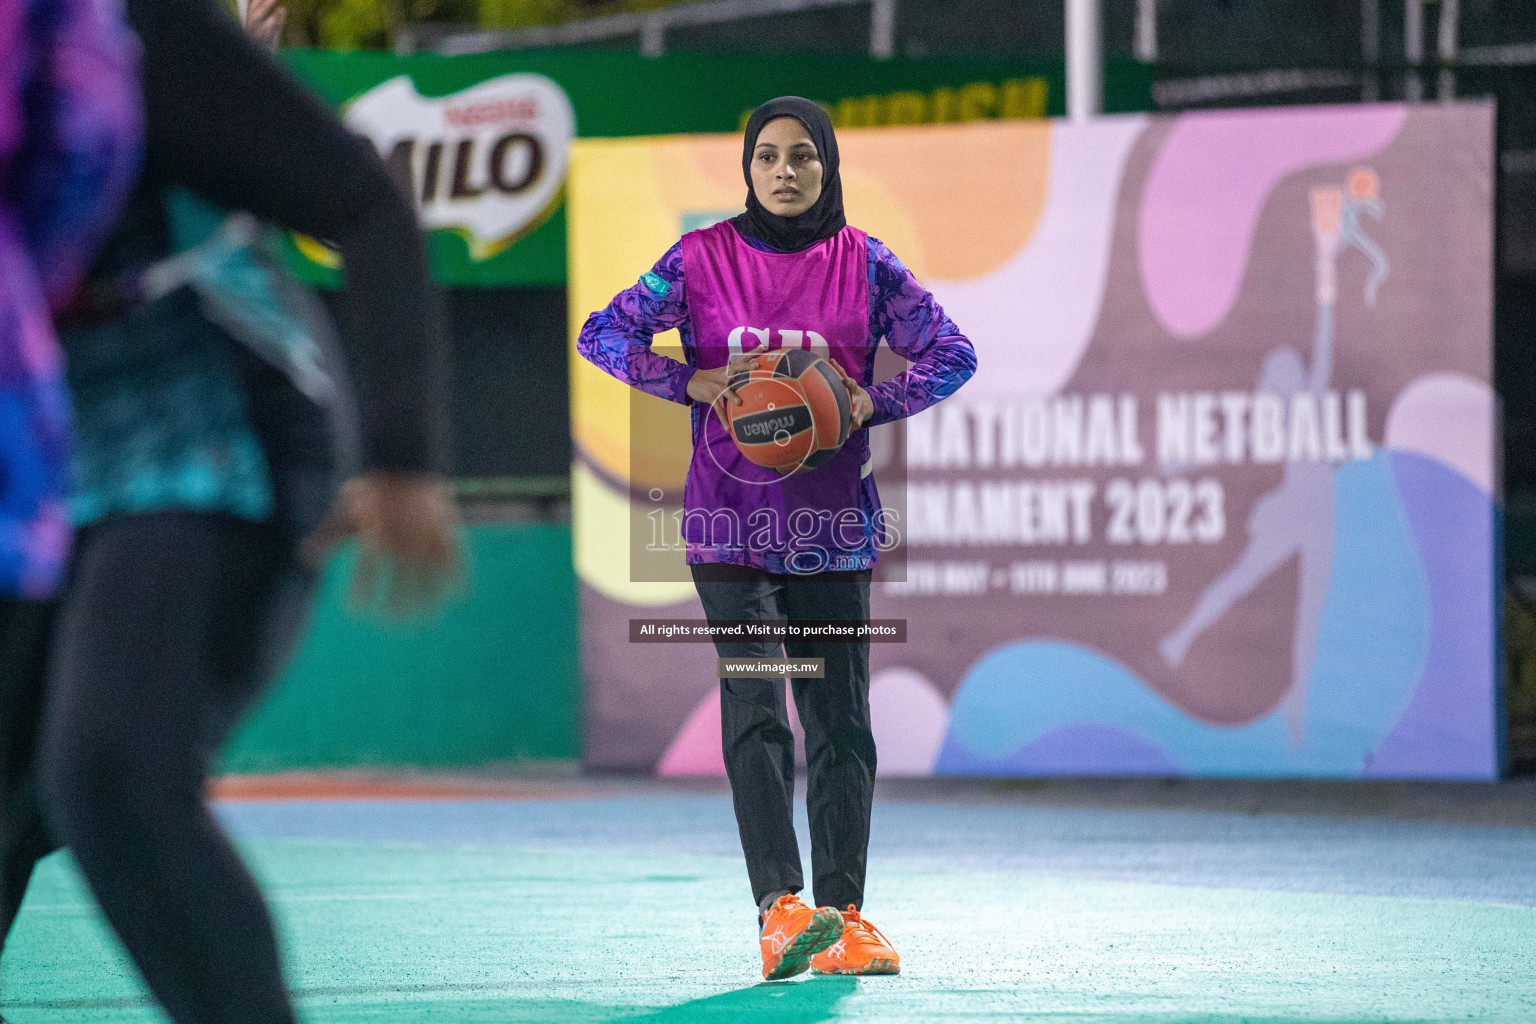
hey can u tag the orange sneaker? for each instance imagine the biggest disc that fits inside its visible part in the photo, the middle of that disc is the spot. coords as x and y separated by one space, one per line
793 933
861 950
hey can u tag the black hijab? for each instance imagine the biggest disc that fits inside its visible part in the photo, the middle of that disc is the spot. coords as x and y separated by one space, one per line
825 218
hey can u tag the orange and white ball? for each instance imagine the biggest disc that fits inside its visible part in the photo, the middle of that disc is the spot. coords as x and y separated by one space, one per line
794 411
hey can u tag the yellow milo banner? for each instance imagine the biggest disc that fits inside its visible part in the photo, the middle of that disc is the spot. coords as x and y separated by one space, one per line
1220 499
482 139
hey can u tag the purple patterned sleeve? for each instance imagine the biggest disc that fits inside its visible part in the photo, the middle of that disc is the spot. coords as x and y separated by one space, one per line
617 339
914 326
83 138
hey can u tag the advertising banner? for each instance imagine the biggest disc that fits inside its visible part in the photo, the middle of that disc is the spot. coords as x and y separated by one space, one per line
483 141
1221 498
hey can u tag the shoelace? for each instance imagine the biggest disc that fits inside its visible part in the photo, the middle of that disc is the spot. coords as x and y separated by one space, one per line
784 902
852 917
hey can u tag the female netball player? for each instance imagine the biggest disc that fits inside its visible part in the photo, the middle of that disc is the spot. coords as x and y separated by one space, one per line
762 546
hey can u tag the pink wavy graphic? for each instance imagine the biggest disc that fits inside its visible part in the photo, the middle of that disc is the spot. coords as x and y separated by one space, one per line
1448 417
697 748
1206 188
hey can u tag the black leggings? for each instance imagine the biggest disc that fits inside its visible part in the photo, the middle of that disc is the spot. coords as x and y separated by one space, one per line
171 626
760 748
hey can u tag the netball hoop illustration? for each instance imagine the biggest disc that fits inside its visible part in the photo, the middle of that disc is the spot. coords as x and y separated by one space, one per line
1297 517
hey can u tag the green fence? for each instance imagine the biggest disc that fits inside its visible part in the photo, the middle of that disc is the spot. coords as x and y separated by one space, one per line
494 678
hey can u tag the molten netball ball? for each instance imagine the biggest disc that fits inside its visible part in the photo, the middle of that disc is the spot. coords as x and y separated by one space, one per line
794 411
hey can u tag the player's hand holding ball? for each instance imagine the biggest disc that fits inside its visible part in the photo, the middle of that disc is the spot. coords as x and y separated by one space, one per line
714 387
863 405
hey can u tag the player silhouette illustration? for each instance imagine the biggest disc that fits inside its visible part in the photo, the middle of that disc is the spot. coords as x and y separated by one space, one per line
1297 517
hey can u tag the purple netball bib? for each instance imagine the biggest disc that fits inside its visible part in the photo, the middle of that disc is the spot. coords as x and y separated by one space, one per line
739 298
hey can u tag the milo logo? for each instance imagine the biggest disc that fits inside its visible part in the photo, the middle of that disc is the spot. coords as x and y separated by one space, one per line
487 162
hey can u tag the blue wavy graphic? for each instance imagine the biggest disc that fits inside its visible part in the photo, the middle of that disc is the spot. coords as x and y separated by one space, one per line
1448 730
1012 708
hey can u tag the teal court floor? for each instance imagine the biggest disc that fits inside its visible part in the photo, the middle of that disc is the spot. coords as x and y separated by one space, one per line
629 903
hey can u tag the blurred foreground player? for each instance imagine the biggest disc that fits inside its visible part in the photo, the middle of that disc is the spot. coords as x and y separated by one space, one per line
209 456
70 140
789 271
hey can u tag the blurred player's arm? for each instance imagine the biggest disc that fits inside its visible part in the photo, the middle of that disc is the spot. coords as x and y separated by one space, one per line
224 119
83 136
915 327
264 21
227 121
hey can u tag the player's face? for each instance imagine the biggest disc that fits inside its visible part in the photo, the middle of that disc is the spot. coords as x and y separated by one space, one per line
786 169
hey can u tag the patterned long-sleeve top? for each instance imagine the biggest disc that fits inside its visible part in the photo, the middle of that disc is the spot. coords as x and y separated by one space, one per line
617 339
70 134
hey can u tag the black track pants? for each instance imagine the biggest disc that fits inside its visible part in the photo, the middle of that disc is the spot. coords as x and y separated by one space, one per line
24 631
759 747
171 626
